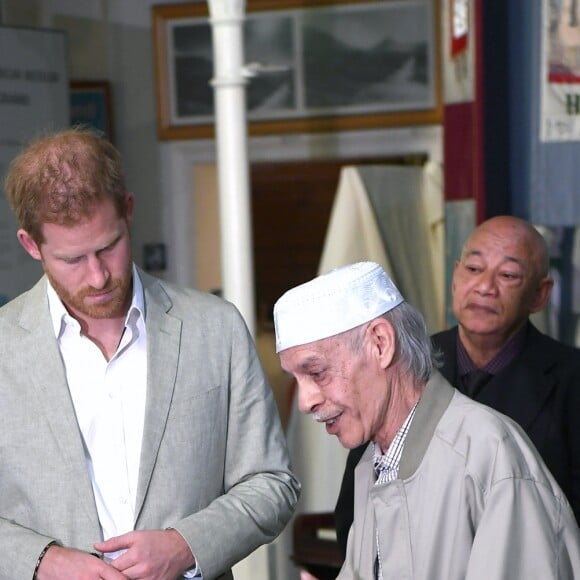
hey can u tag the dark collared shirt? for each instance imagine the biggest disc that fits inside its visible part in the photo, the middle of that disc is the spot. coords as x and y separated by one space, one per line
510 350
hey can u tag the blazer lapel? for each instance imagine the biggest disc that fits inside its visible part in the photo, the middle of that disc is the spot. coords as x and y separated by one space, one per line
163 343
446 343
48 383
523 387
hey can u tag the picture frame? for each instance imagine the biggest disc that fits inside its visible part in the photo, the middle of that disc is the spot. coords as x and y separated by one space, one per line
332 65
91 105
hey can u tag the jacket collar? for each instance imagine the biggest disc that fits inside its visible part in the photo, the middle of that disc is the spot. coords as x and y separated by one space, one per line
521 389
433 403
430 408
47 379
163 347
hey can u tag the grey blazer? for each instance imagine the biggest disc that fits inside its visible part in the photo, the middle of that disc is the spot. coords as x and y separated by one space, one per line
214 462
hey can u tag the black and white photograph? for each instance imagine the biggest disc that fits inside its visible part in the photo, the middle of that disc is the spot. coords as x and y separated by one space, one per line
192 71
373 60
269 44
366 58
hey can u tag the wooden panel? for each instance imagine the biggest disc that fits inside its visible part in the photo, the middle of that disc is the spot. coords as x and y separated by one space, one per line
315 548
291 205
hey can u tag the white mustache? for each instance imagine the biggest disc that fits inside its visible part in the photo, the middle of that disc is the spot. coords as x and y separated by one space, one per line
323 418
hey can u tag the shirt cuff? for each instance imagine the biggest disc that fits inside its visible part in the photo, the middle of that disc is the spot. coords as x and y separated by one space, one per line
193 572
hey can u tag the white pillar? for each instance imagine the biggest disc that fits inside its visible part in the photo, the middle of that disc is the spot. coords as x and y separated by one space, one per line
226 17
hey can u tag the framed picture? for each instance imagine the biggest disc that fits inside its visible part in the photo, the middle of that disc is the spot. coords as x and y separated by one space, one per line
327 65
90 105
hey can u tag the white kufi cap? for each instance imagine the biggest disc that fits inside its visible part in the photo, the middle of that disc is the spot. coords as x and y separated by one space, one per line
340 300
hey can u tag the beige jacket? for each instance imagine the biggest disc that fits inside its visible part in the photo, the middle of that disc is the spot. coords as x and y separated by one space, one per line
473 501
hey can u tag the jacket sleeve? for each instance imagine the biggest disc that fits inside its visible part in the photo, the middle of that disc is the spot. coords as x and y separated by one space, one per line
571 404
526 531
23 546
260 491
344 509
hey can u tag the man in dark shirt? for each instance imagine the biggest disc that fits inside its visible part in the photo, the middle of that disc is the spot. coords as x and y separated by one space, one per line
496 355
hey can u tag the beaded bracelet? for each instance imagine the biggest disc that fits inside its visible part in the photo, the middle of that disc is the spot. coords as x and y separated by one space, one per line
40 557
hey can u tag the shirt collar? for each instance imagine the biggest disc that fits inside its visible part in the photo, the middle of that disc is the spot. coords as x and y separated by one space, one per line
60 316
508 352
393 453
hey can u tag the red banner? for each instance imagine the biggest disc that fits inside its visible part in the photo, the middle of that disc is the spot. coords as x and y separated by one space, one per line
459 26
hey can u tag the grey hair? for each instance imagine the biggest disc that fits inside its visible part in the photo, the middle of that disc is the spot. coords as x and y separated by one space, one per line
414 349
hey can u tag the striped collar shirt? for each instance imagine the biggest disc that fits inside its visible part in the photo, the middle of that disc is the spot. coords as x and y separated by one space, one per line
508 352
387 465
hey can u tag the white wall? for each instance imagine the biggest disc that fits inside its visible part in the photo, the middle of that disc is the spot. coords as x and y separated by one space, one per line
112 40
180 158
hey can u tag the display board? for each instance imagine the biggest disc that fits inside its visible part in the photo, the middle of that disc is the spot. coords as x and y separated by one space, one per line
34 98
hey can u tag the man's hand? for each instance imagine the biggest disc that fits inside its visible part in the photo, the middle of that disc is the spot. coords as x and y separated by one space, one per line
150 554
304 575
59 563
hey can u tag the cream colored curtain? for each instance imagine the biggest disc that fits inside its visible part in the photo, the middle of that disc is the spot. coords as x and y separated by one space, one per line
353 234
393 215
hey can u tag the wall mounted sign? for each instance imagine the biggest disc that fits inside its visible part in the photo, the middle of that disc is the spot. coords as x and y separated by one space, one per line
33 100
91 105
560 74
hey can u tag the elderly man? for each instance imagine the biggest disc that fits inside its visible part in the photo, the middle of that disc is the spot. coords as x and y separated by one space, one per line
448 488
496 356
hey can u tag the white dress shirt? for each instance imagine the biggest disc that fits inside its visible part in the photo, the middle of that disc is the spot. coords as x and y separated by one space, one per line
109 399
